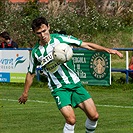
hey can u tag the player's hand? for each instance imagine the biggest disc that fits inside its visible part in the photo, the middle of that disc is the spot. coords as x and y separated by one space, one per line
23 98
111 51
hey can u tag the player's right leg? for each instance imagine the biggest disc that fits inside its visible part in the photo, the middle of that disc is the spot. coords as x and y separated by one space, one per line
63 101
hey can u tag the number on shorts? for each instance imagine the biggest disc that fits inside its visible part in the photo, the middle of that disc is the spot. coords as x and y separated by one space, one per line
58 100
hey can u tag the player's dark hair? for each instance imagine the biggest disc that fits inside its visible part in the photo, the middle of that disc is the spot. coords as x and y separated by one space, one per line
5 35
36 23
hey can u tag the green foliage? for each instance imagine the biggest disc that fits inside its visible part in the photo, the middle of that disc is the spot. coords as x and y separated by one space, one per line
1 8
30 9
82 20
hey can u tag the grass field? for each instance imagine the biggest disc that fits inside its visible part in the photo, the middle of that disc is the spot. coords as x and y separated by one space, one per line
40 114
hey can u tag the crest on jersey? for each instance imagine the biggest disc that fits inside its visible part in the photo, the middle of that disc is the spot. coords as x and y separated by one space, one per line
52 66
49 64
48 58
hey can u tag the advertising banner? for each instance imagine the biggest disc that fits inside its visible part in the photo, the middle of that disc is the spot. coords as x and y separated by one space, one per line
92 67
13 65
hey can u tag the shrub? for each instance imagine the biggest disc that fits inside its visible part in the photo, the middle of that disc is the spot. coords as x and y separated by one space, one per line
82 20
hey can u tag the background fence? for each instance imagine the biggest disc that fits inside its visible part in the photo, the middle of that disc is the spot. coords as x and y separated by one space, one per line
126 69
93 68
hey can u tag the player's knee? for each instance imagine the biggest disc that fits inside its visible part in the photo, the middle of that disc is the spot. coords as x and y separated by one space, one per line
71 120
94 117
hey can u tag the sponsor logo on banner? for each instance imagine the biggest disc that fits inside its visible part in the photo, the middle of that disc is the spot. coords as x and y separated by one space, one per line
13 65
10 62
99 65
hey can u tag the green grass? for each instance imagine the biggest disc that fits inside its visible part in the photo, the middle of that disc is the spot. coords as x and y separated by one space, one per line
114 104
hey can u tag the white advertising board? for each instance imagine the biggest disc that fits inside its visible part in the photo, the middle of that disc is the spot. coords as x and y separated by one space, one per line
13 65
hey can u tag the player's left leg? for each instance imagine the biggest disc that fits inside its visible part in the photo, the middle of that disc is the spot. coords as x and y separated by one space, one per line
89 108
69 116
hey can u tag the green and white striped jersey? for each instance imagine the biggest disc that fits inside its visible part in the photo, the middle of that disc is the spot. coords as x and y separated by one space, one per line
58 75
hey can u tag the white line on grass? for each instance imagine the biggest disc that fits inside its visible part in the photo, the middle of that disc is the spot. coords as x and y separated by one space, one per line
37 101
115 106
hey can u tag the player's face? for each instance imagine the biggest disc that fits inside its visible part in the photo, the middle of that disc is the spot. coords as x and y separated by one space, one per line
43 33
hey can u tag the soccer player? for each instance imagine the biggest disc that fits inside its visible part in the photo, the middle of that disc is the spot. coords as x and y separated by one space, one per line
63 82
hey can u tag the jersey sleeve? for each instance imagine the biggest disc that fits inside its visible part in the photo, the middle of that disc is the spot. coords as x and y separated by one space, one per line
69 39
32 64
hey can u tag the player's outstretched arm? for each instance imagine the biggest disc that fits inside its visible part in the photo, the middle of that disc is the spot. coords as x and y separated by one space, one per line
28 82
111 51
93 46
